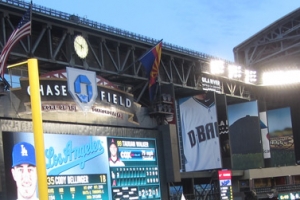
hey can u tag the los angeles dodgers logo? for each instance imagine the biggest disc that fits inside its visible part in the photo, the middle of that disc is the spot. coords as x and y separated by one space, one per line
71 156
24 151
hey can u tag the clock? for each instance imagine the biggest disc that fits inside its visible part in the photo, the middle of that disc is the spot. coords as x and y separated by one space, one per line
81 46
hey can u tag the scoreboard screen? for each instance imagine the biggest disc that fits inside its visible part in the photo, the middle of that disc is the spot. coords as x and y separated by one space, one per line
78 187
138 176
225 184
93 167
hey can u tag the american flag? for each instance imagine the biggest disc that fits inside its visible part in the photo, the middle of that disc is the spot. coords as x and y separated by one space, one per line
23 29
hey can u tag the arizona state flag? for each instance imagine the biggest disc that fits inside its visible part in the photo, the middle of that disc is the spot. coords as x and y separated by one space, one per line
151 61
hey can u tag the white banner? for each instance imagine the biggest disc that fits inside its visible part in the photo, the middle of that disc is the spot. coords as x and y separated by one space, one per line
199 129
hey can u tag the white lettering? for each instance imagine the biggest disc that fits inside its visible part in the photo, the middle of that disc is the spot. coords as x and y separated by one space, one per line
42 90
64 90
128 103
60 180
205 80
142 144
125 154
115 101
108 97
128 143
56 88
102 95
78 179
49 91
121 101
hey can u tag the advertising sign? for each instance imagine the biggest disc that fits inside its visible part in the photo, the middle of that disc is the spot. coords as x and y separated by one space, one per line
210 84
225 184
200 134
82 87
281 137
77 95
85 167
245 136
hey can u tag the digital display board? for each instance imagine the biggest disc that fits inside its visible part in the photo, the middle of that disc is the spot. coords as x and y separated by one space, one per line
90 167
77 187
289 196
134 173
225 184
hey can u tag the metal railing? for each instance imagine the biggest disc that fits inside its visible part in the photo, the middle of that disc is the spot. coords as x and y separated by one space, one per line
279 188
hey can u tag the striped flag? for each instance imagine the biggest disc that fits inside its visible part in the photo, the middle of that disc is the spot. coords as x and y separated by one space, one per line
23 29
151 62
182 197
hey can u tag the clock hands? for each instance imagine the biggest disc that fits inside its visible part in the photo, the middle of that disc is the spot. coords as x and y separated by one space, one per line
79 44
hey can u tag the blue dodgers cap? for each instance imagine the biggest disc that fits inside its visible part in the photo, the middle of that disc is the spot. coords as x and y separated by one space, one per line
23 153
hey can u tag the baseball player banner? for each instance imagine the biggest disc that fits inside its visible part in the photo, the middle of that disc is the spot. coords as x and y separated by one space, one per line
245 136
281 137
199 130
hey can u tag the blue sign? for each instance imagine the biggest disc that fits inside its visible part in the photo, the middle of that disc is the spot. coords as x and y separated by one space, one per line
82 87
84 98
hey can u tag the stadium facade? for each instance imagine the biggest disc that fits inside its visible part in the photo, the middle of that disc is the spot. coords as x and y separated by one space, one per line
94 101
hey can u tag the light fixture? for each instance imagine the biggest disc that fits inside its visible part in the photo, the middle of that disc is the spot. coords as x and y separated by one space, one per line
234 71
281 77
250 76
217 66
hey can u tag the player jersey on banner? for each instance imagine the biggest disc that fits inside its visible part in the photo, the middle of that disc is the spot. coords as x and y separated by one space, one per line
200 136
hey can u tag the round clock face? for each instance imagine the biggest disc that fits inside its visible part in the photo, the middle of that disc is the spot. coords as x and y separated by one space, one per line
81 46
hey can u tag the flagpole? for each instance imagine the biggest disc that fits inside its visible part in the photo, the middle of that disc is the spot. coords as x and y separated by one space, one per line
130 66
30 38
151 49
30 14
140 57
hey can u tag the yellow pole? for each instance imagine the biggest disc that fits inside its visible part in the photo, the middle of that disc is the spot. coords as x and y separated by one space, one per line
35 99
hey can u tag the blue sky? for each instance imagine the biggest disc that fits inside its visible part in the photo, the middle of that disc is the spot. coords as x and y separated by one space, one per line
213 27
